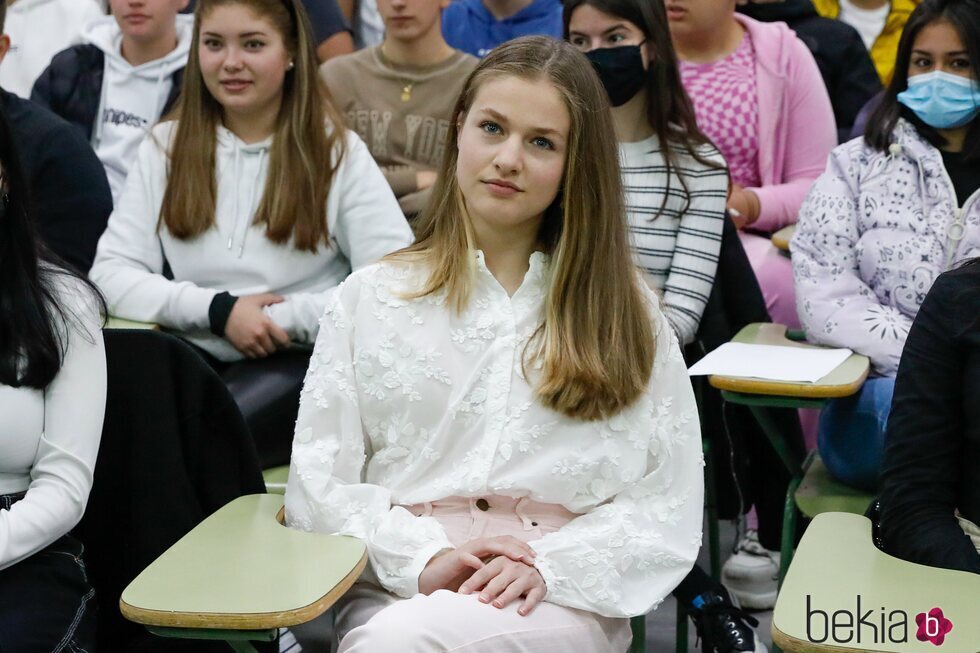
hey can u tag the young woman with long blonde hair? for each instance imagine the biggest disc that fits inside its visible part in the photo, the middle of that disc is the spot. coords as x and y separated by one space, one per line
501 411
246 208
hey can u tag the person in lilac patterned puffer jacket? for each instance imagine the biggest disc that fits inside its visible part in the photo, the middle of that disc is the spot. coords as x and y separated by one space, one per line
893 210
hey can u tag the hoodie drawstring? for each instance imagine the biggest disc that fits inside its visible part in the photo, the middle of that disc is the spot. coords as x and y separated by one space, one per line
244 216
250 218
236 174
100 116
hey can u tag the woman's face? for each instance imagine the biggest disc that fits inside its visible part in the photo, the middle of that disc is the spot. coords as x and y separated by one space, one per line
512 150
693 18
243 60
590 29
938 47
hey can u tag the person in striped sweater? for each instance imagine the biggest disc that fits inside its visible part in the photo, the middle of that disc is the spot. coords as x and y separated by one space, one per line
675 180
676 185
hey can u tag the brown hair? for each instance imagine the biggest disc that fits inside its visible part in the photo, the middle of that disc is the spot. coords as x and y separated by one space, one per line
596 345
303 157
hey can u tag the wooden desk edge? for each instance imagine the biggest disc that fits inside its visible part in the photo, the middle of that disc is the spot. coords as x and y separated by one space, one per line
784 389
793 645
245 621
781 237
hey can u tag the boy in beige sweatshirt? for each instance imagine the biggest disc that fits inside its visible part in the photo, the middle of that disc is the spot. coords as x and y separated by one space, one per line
399 96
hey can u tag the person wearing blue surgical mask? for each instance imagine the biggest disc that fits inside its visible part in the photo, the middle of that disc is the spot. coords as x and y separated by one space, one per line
895 209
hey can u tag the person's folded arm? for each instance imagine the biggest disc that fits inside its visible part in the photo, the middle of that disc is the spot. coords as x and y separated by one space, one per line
695 259
812 135
403 179
129 262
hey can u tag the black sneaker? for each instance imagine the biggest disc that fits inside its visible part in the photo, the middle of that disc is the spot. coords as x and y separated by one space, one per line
722 626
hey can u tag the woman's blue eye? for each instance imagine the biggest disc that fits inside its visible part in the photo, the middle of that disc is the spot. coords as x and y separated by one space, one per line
543 143
490 127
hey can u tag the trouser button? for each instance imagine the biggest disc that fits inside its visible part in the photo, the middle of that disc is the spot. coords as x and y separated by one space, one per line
483 504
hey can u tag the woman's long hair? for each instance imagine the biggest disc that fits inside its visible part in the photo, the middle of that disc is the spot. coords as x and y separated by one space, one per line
596 345
303 158
669 110
33 323
964 16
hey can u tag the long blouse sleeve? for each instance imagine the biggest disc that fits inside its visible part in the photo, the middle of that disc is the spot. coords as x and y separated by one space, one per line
326 491
836 305
695 258
66 448
625 556
808 121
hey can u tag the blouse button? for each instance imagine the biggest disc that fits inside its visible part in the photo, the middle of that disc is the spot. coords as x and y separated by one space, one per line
483 504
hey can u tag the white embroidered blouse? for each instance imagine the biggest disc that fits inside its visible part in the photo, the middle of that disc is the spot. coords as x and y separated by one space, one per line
406 402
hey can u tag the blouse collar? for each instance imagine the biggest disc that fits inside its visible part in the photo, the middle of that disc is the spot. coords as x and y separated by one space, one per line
539 265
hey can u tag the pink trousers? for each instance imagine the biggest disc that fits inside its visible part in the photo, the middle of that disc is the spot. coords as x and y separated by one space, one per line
371 620
774 272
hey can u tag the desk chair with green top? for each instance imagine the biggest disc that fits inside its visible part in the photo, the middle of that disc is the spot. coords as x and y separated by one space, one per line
836 563
240 575
760 394
120 323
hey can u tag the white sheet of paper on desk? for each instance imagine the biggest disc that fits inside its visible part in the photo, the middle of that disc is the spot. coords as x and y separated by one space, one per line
770 362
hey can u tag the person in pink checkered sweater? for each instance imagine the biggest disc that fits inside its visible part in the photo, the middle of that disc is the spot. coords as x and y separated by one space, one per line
759 96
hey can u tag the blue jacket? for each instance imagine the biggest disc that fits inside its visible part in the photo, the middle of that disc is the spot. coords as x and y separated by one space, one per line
467 25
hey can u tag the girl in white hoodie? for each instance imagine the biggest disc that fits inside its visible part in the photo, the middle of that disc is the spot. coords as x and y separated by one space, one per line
241 214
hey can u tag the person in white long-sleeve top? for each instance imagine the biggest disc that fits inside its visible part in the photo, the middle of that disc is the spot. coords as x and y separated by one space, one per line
501 412
52 403
241 215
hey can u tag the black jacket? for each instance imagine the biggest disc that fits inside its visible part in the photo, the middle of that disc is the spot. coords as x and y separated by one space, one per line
747 470
71 86
174 449
69 191
931 465
844 62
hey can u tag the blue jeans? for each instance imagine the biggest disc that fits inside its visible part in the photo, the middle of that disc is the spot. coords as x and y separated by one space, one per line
46 601
851 438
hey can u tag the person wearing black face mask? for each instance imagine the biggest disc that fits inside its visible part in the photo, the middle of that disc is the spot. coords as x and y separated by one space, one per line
621 70
676 188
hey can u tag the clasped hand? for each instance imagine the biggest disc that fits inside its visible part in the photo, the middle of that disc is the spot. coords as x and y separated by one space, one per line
251 331
500 568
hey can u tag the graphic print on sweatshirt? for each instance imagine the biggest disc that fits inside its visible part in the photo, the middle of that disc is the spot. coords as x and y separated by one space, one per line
133 97
425 136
